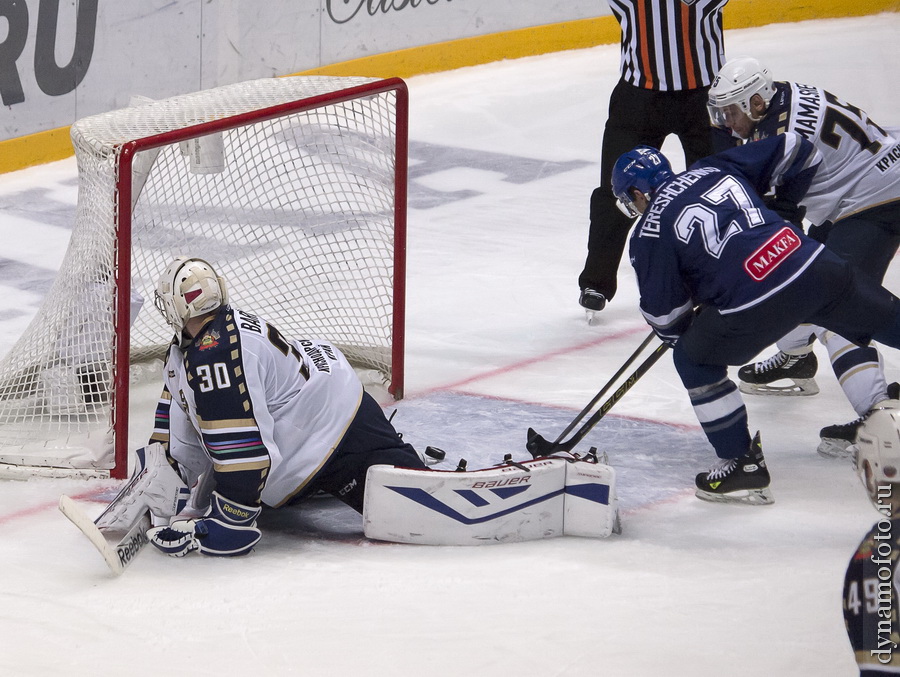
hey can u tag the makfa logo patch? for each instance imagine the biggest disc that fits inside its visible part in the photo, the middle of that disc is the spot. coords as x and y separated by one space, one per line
760 264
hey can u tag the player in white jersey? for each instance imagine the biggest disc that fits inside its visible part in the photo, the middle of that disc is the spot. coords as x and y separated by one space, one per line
268 418
853 206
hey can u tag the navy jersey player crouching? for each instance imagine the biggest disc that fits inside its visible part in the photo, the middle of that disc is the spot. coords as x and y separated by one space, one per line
706 239
261 418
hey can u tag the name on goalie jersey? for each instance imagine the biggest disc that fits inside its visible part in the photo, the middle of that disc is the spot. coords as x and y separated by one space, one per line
760 264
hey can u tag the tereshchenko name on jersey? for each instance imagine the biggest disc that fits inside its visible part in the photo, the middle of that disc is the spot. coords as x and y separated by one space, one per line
650 227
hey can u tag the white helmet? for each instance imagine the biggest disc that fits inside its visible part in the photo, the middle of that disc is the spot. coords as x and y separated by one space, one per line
738 80
878 449
189 287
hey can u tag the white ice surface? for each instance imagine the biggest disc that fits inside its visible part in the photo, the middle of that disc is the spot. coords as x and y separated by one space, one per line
496 343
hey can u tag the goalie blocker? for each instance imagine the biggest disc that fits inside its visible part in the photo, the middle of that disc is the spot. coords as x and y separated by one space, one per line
524 501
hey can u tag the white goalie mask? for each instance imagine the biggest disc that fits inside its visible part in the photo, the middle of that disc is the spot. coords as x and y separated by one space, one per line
878 452
188 288
737 82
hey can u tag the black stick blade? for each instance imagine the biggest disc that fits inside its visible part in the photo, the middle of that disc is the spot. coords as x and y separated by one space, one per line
537 446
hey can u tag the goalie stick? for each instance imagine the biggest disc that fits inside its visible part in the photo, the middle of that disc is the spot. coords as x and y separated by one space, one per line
539 447
117 554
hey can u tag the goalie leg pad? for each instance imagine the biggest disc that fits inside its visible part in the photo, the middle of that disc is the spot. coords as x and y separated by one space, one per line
509 503
516 502
592 506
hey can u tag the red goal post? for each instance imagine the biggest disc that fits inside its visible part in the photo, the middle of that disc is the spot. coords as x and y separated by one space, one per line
293 188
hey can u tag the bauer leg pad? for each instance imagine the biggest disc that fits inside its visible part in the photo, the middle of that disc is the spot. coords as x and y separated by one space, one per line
515 502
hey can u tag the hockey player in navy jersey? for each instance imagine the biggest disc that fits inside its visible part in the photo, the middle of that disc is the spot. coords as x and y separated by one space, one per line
854 204
721 276
260 418
871 599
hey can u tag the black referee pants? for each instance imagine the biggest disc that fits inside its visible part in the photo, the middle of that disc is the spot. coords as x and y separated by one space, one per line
639 116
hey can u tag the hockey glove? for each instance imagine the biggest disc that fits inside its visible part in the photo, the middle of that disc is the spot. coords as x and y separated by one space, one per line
226 530
154 486
820 233
177 539
786 209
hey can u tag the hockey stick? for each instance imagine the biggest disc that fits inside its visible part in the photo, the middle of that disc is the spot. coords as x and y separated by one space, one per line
118 555
602 391
538 446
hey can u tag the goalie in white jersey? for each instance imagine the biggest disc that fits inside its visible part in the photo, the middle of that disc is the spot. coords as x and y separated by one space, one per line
854 206
268 418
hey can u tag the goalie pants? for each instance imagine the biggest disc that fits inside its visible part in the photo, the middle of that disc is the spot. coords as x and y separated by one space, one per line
370 440
829 293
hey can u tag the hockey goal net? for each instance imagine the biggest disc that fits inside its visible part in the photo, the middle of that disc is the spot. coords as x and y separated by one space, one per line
293 188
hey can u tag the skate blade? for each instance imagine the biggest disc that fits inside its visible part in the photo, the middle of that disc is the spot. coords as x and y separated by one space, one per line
831 447
593 317
799 388
744 496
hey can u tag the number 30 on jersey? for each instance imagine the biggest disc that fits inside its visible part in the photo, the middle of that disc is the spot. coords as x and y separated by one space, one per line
213 377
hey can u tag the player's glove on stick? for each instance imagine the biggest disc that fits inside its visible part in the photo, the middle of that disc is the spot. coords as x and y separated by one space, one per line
226 530
673 331
786 209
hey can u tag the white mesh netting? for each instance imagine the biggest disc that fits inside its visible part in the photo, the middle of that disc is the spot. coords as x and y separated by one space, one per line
296 209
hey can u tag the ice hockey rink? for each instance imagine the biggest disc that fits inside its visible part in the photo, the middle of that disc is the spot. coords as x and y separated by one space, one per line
503 160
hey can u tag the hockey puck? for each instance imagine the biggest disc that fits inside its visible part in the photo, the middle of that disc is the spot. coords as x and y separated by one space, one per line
435 453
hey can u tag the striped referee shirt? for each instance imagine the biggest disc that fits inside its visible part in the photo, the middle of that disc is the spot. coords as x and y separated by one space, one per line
670 45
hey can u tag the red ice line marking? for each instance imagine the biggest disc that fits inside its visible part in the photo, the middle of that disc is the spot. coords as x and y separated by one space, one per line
515 366
34 510
668 424
677 497
625 333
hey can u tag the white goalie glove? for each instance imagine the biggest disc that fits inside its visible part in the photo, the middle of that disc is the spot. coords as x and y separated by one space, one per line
154 486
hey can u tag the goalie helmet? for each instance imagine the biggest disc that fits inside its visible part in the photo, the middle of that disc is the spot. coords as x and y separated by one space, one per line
878 451
737 82
188 288
643 168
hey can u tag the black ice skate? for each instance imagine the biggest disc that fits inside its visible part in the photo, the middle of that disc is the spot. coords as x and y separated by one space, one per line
738 480
837 440
593 302
761 378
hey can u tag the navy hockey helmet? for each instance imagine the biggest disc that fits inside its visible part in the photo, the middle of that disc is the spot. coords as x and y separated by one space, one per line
643 168
188 288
